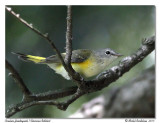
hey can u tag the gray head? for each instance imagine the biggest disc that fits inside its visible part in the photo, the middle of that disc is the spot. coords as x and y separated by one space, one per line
107 55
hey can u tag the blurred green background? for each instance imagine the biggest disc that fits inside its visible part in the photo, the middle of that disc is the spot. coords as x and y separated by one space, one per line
121 28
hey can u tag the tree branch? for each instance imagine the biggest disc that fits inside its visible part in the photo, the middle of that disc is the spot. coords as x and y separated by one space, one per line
18 79
69 38
43 100
26 104
73 74
50 95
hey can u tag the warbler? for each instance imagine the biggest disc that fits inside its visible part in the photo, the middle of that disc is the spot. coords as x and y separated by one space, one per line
87 63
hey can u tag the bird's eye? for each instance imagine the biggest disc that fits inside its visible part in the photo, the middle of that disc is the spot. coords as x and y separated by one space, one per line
107 52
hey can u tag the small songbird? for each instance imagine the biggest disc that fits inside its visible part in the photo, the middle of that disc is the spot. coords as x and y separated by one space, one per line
86 62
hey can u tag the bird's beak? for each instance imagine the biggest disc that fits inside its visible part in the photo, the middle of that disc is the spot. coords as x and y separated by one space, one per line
118 54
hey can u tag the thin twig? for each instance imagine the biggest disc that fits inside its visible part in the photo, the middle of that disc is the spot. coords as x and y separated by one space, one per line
69 37
21 106
73 74
73 98
19 81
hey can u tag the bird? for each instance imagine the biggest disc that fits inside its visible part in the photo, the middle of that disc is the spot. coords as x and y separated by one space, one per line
87 63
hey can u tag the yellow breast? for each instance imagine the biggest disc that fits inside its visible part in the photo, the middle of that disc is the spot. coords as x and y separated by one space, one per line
87 68
83 66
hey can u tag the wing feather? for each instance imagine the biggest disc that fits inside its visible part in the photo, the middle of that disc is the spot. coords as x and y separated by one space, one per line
78 56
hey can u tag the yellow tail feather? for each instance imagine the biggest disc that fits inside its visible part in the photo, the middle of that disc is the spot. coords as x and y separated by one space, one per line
35 59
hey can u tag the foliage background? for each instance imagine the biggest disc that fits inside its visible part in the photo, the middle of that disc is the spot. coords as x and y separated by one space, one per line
94 27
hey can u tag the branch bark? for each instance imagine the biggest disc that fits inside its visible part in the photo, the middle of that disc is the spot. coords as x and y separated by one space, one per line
73 74
69 38
50 95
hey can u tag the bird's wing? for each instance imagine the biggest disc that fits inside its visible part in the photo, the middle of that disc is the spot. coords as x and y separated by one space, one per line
78 56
